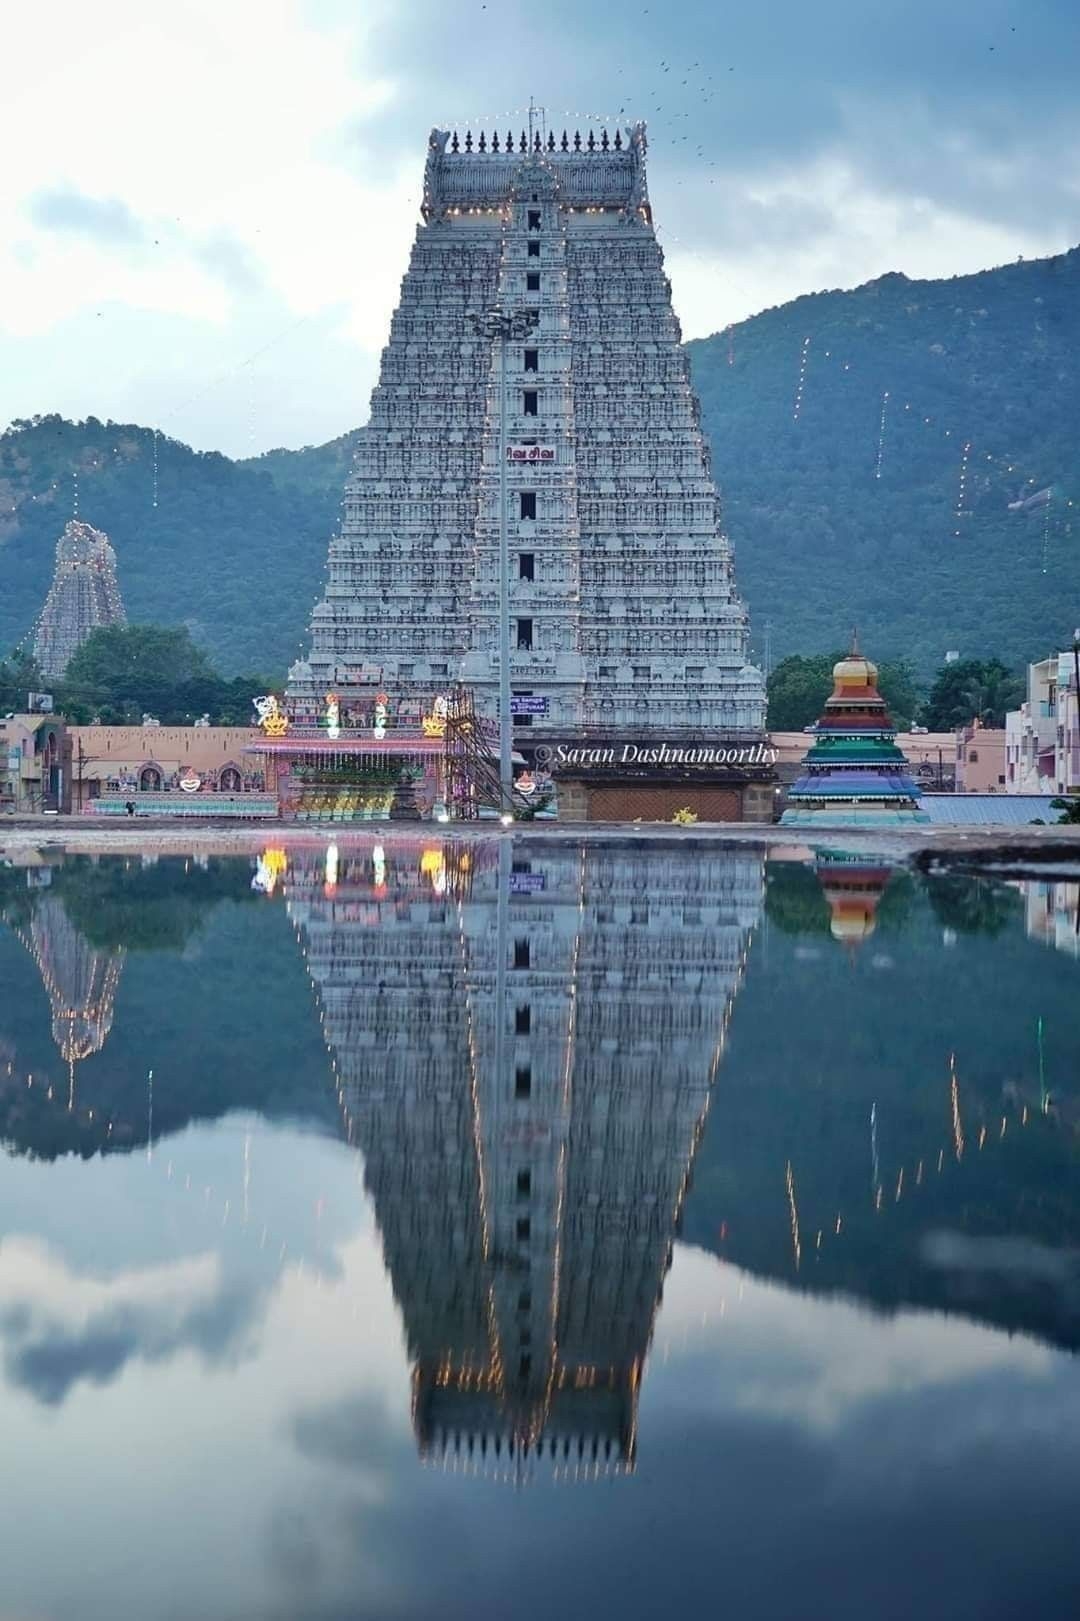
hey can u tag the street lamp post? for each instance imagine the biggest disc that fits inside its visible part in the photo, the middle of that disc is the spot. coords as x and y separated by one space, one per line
504 325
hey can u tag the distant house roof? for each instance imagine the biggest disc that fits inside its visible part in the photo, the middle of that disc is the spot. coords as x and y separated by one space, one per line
988 810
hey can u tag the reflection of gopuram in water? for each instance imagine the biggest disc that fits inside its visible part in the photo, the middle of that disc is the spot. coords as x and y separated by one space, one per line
524 1040
80 980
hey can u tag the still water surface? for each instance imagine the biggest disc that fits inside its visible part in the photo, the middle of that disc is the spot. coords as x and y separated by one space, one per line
476 1230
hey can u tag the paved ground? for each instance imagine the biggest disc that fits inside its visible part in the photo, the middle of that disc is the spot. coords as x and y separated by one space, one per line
1057 847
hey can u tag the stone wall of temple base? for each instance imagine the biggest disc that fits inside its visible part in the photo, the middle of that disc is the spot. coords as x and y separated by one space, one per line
573 802
656 802
758 802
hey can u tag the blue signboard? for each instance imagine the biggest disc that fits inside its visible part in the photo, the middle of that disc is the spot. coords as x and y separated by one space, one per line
527 883
528 705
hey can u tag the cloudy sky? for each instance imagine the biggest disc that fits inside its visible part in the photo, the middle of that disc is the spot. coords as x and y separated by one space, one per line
206 207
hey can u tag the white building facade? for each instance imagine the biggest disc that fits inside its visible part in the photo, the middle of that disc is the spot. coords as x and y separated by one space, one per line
1042 737
624 613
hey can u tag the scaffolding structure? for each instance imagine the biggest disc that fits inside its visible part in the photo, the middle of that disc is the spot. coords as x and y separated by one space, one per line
472 760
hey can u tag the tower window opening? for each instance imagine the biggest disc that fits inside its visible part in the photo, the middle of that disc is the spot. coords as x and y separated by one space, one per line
521 953
522 1020
534 250
525 635
528 503
524 1184
527 560
531 405
532 360
534 219
524 1229
523 1081
532 281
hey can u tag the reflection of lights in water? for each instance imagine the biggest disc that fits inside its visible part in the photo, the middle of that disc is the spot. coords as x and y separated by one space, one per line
269 867
378 862
957 1124
331 875
796 1244
433 866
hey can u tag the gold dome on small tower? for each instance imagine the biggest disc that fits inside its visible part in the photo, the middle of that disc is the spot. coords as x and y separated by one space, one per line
855 669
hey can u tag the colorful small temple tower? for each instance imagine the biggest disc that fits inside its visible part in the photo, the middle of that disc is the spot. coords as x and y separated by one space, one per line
854 773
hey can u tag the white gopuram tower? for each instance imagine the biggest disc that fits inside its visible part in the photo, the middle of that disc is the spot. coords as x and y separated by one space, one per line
624 613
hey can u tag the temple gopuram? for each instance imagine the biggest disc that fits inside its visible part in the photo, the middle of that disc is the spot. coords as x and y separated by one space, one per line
83 596
630 676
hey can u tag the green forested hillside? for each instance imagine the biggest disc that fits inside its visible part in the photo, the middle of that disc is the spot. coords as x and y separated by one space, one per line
227 550
236 549
820 542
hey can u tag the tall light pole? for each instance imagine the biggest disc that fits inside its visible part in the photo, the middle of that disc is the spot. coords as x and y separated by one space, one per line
504 325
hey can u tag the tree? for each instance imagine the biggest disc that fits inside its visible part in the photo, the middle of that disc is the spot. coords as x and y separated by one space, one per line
971 689
20 674
122 671
1070 809
800 684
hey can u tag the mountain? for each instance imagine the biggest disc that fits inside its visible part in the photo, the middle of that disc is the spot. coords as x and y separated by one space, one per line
822 543
228 550
836 519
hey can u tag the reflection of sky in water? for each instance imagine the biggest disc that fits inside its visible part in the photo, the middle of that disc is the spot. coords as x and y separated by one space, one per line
206 1396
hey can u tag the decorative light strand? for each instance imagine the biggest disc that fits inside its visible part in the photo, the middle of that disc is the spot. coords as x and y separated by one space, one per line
962 509
803 358
881 434
1046 529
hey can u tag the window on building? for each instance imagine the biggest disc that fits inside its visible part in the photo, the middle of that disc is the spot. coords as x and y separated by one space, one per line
641 672
523 1081
526 566
532 360
695 672
531 403
534 250
607 672
524 1229
521 953
973 756
524 1184
522 1020
528 504
525 634
534 219
532 281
